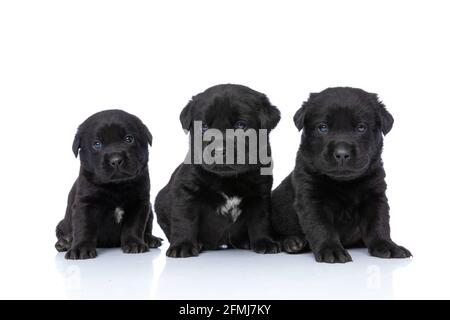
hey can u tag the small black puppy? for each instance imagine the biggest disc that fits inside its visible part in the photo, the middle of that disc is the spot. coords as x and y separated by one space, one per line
335 197
109 203
209 205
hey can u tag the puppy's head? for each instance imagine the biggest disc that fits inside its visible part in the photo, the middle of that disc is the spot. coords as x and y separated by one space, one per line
113 146
225 108
343 131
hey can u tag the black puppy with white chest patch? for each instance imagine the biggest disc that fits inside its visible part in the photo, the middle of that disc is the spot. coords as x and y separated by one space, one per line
109 203
335 197
208 205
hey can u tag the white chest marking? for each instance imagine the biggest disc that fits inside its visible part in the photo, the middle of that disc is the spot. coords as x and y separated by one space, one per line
230 207
118 214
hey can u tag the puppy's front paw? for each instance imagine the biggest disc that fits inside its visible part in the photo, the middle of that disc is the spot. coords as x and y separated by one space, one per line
265 246
153 242
183 250
63 243
134 247
388 249
294 244
81 253
332 254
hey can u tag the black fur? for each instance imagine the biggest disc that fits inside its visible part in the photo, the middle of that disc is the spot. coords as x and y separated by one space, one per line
186 207
114 176
335 197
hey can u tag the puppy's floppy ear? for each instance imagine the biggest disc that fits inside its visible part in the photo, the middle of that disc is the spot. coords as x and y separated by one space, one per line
186 116
386 119
76 145
269 115
299 118
147 133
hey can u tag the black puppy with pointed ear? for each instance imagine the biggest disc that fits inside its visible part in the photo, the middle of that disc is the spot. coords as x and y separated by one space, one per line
223 202
335 197
109 203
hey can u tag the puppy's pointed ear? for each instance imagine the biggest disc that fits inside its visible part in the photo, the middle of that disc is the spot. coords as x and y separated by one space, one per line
76 145
270 115
186 116
386 119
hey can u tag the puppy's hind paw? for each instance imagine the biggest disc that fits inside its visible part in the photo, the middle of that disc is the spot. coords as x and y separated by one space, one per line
81 253
183 250
294 244
134 247
153 242
332 255
388 249
265 246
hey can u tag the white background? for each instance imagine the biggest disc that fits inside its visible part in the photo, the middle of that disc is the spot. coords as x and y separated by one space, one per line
61 61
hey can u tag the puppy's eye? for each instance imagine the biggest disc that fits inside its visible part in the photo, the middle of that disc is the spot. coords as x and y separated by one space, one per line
204 127
129 139
322 128
97 145
361 127
240 124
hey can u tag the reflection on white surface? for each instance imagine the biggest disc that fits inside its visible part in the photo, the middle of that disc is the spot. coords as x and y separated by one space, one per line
226 274
112 275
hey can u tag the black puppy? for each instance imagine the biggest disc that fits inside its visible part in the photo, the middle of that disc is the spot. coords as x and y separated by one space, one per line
335 197
109 203
209 205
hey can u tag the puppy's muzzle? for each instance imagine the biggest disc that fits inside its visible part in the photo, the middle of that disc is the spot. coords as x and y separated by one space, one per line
342 154
115 160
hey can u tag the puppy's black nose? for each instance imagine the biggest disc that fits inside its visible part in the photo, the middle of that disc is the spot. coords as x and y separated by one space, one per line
342 154
115 160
